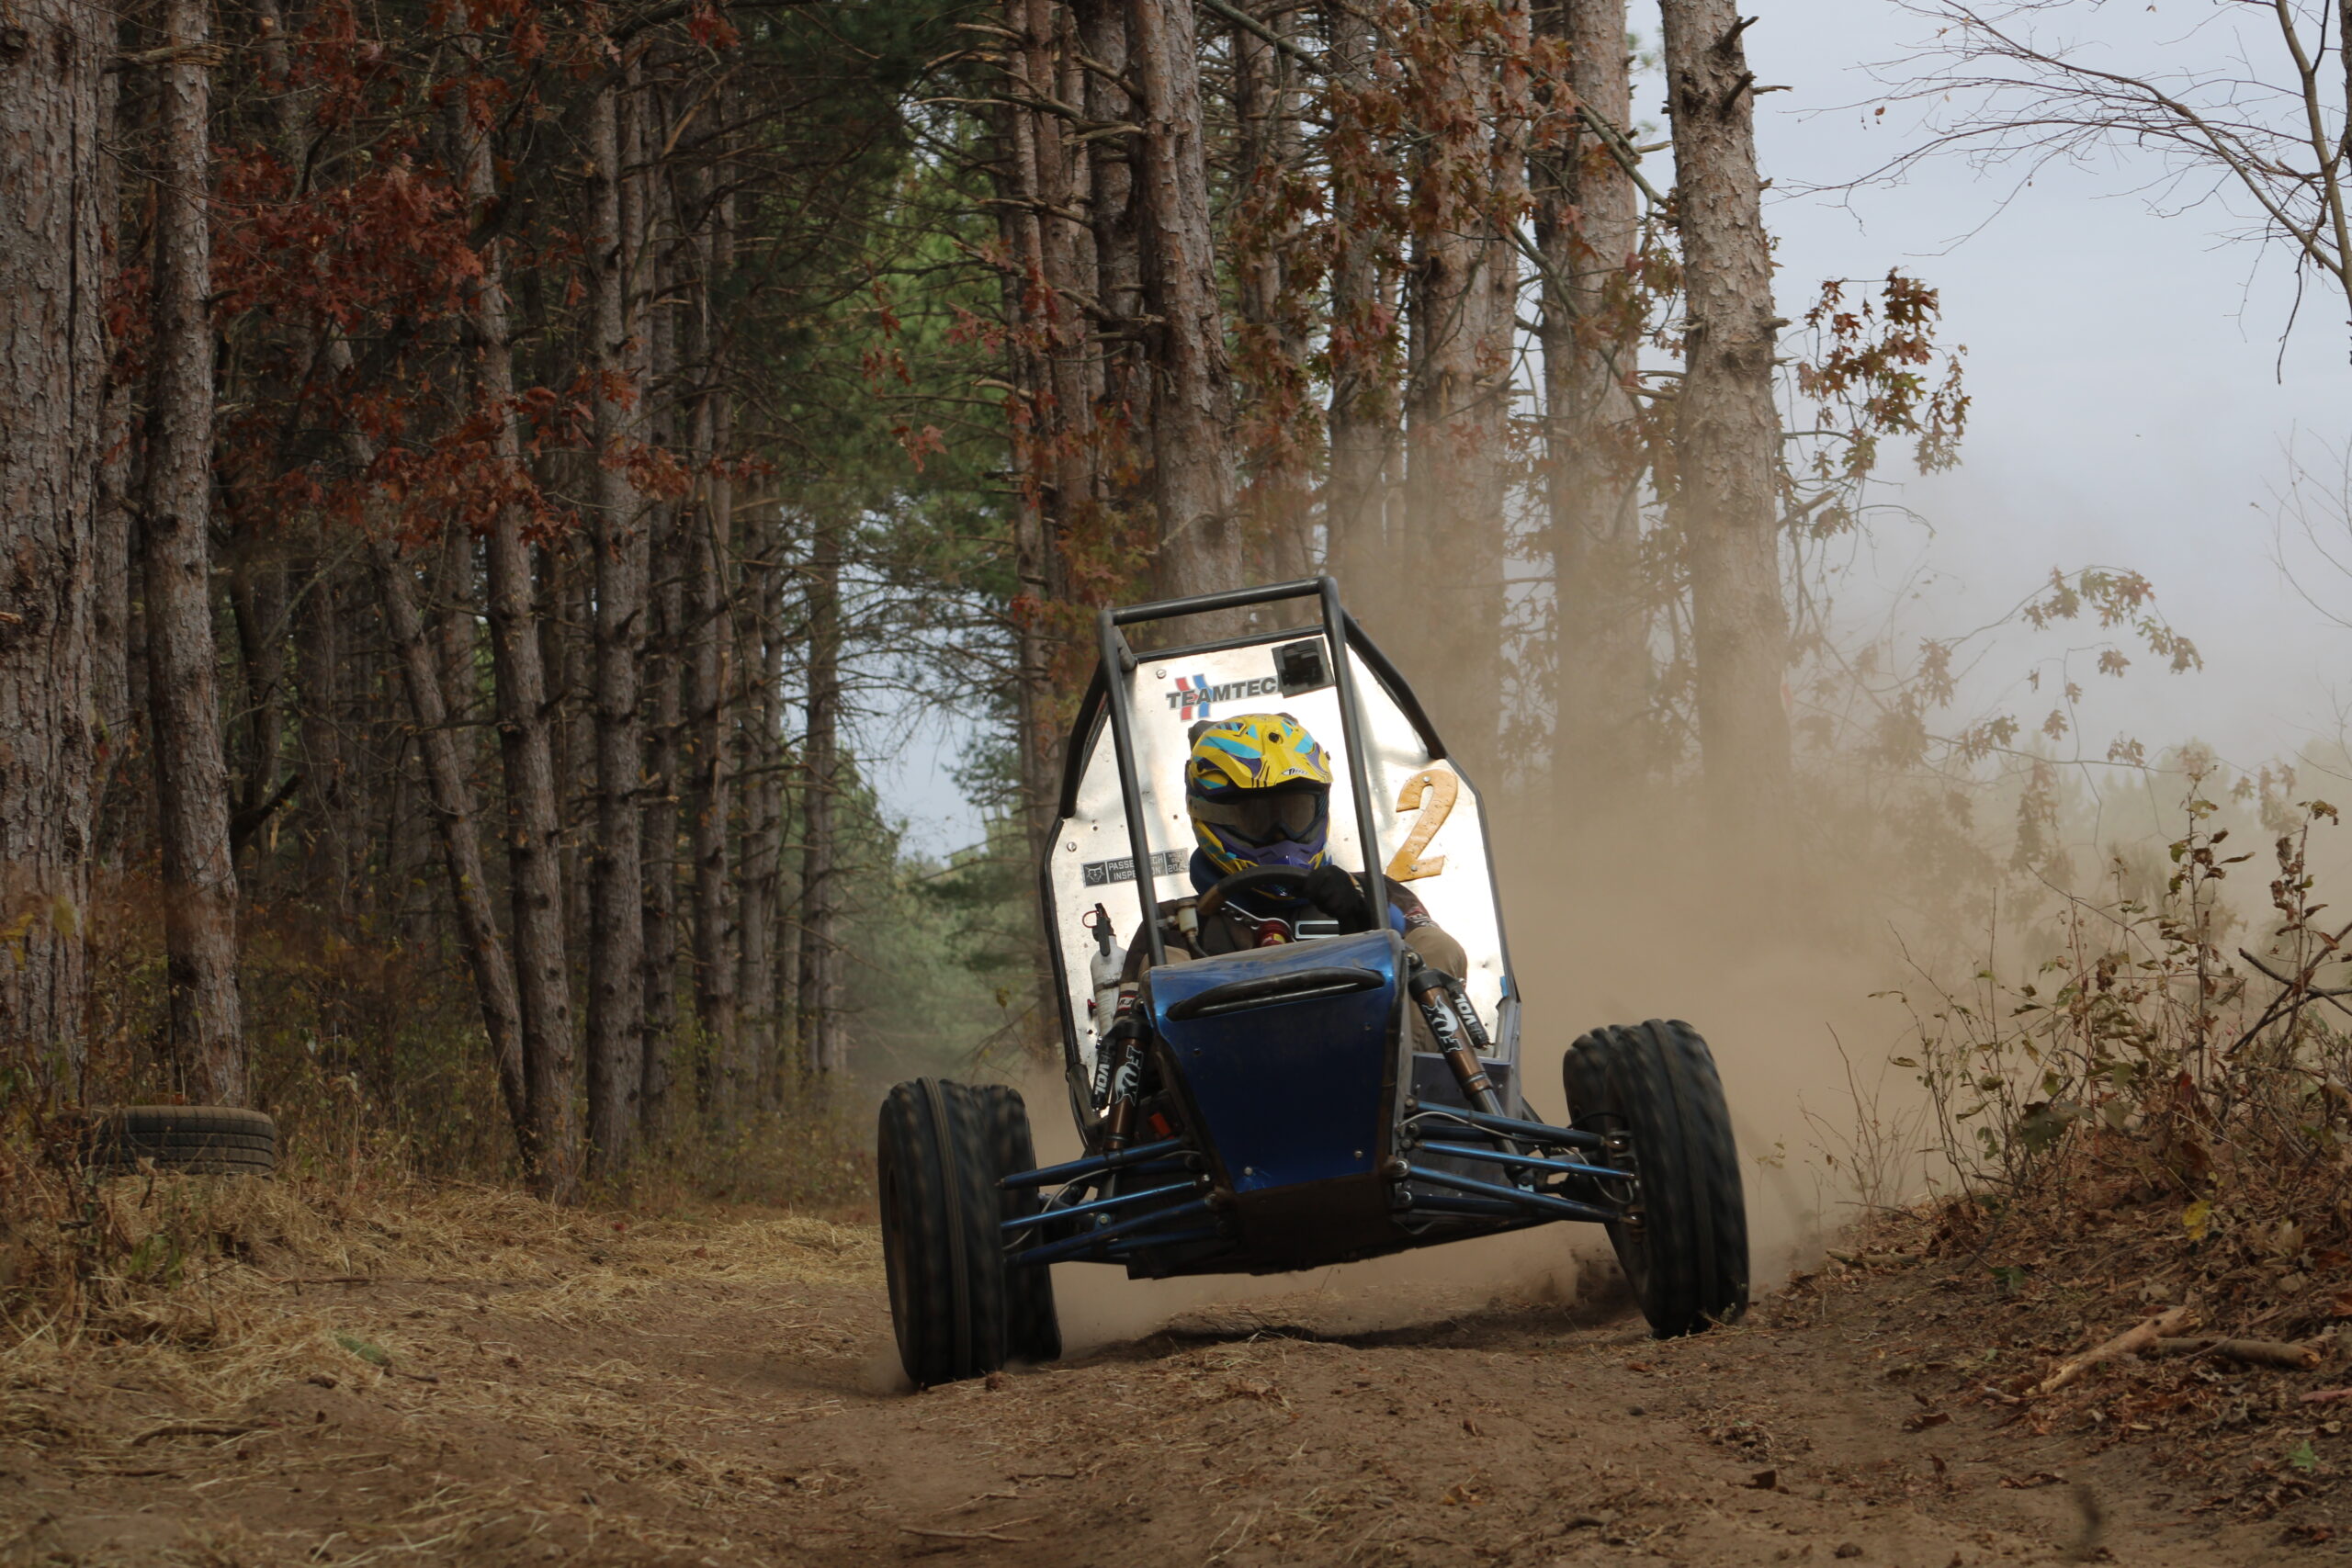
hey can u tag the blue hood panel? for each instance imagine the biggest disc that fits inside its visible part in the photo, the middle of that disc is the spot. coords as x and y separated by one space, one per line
1291 1091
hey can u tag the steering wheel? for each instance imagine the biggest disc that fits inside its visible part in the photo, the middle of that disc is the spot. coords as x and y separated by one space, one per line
1249 881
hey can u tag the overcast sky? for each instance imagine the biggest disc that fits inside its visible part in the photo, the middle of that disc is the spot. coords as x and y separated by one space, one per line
2132 403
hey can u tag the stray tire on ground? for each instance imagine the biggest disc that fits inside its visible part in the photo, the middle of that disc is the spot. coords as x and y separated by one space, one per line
200 1139
1686 1260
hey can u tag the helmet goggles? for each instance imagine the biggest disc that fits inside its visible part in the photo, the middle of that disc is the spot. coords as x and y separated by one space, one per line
1294 814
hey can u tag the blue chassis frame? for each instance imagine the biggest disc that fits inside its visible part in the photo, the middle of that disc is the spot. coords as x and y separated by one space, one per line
1179 1205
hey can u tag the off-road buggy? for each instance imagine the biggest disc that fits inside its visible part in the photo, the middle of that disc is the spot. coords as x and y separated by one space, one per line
1277 1109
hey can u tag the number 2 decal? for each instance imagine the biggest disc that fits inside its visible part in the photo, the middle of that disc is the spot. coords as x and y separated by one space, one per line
1431 792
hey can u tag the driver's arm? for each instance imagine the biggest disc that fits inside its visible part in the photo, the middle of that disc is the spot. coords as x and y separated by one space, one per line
1425 936
1340 895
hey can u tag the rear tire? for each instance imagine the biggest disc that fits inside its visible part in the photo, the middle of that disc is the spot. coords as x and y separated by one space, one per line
935 1165
200 1139
1686 1260
1033 1329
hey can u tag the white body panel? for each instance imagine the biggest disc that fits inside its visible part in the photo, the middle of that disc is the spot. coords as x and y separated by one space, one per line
1090 863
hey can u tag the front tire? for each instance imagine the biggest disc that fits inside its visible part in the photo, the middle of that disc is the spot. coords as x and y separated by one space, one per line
1033 1329
937 1167
1686 1260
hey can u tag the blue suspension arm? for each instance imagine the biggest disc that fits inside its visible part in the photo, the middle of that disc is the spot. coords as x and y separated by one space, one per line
1497 1157
1071 1247
1567 1208
1096 1207
1093 1164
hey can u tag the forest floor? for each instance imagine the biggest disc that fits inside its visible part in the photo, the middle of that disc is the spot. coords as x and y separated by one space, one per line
467 1378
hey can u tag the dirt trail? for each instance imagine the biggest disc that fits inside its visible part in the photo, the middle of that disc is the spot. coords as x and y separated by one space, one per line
676 1405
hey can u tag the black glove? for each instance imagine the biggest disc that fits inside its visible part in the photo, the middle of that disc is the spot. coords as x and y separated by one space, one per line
1334 893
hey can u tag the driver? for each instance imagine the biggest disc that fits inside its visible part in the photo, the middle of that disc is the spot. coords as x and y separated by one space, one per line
1258 789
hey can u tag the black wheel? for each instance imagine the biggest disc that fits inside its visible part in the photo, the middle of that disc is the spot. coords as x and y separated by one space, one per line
202 1140
936 1167
1686 1257
1032 1330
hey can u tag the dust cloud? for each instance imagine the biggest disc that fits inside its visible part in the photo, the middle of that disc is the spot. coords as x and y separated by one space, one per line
1790 997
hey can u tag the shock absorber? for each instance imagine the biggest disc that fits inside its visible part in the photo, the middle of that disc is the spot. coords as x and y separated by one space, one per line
1445 1005
1115 1073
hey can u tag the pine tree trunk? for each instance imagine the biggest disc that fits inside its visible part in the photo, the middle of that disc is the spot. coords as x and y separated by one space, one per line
1042 487
1459 404
761 764
1199 544
1273 327
708 782
549 1132
567 646
1363 397
323 808
406 898
1586 229
191 772
823 1048
616 878
257 582
665 617
51 383
448 792
1110 211
111 695
1728 435
452 810
661 825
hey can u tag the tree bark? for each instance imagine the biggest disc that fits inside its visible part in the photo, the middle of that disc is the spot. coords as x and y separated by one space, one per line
191 772
449 794
111 694
1048 491
760 751
665 611
549 1131
323 808
708 783
617 878
1727 435
824 1050
53 384
256 582
1459 397
1364 395
452 809
1587 229
1274 342
1198 543
1119 391
567 646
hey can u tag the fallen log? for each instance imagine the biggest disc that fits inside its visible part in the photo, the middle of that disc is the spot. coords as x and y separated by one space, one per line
2139 1337
2245 1352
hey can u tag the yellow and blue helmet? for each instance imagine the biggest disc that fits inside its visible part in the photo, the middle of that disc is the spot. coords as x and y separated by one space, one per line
1259 791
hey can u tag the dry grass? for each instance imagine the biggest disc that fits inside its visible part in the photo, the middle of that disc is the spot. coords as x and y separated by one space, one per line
169 1335
210 1291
